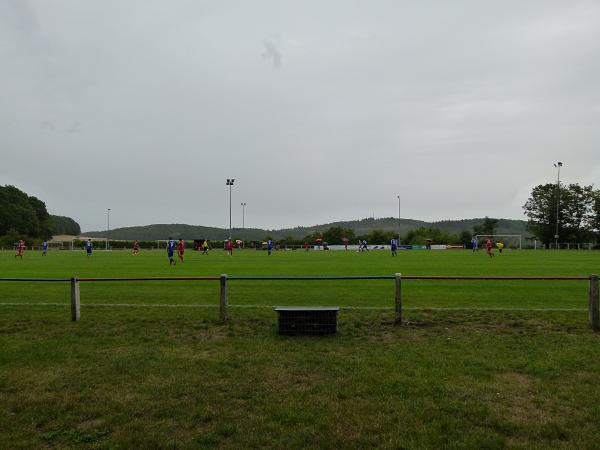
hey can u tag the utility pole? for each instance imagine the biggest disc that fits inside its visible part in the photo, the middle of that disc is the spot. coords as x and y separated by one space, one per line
398 220
230 184
107 226
243 214
558 165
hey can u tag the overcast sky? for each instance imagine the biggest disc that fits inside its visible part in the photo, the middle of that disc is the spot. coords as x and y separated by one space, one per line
320 110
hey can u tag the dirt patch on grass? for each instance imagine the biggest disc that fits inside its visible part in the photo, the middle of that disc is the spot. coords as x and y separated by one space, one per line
514 378
514 400
286 378
91 424
513 322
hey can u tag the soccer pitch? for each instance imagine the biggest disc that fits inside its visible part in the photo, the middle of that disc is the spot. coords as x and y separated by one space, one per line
359 293
478 364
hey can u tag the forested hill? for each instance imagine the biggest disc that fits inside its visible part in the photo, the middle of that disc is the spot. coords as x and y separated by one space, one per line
176 231
25 217
360 227
364 226
64 225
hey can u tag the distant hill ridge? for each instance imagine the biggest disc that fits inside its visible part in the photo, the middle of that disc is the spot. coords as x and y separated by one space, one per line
364 226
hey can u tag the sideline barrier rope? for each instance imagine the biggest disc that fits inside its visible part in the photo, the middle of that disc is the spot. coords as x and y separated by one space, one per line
37 279
151 279
593 291
374 308
413 277
311 278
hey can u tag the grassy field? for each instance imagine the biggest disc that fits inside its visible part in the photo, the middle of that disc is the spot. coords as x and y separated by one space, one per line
477 365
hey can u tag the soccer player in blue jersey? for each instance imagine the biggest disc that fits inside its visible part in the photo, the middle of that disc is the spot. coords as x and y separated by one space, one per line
89 247
269 247
474 244
170 251
44 248
394 244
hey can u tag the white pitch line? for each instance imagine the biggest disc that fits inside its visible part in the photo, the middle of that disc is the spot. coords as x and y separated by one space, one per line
168 305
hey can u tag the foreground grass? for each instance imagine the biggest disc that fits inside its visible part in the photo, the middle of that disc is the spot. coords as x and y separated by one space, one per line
176 378
143 377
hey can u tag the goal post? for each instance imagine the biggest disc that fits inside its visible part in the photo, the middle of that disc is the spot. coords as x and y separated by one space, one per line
514 241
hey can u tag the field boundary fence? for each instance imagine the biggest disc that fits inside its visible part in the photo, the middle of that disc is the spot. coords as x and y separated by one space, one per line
224 280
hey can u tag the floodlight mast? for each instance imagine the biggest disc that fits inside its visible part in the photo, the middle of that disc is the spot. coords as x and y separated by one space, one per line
230 183
243 214
107 226
399 220
558 165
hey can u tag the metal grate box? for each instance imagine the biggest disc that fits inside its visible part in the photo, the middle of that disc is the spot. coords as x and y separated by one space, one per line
307 321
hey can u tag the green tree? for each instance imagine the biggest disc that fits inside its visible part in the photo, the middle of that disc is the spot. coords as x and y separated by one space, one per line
64 225
465 237
11 237
488 226
43 218
290 240
336 235
437 236
540 209
577 205
377 237
577 215
596 217
312 237
23 214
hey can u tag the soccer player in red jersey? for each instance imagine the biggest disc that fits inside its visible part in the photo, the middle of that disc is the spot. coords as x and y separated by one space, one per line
180 249
136 248
229 247
488 247
20 248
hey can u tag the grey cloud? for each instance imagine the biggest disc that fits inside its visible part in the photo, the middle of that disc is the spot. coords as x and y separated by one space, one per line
460 107
74 127
272 53
48 125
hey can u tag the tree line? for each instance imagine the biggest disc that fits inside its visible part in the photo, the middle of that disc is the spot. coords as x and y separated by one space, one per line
576 207
339 235
25 217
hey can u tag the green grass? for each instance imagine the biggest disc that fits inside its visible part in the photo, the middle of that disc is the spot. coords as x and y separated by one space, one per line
416 293
127 377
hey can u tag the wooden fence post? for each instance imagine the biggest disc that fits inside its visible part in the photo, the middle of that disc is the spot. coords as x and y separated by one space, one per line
398 308
594 307
75 303
223 306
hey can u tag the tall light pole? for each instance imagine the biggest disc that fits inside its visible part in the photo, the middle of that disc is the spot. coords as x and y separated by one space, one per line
243 214
558 165
230 183
107 226
398 220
